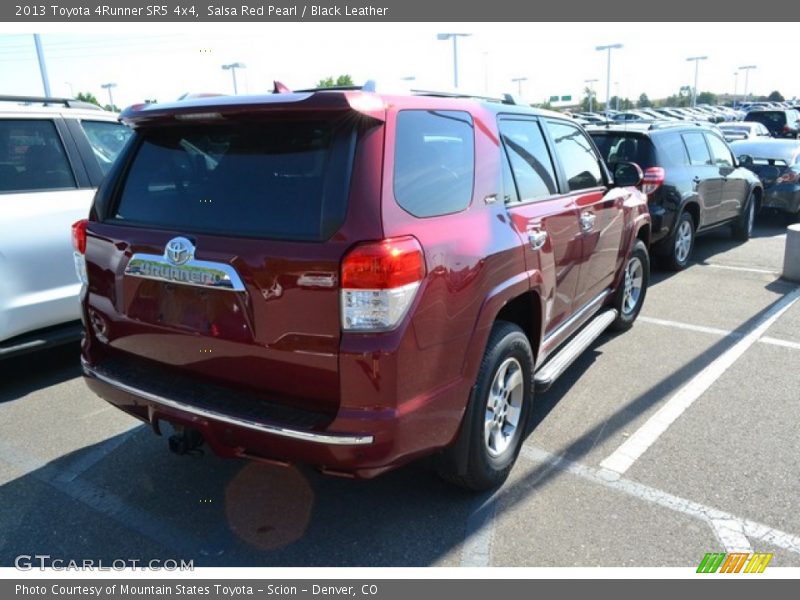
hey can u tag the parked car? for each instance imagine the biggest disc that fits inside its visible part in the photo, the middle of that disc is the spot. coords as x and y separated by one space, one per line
781 123
53 154
354 280
693 181
743 130
777 164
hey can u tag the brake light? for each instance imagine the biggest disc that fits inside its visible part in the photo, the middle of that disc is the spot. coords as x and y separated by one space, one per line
79 243
788 176
652 180
379 281
79 235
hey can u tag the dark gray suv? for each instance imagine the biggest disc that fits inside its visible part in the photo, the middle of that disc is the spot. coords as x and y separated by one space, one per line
692 179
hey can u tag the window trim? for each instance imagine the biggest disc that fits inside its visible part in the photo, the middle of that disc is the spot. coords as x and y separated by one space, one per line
557 175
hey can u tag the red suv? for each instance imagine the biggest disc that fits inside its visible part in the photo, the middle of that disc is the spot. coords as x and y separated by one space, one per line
354 280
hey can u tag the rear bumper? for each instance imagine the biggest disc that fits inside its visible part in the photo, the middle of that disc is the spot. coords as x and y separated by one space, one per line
784 199
361 443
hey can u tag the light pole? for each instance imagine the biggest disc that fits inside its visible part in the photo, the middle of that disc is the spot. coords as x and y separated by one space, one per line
735 86
591 83
608 48
37 41
696 60
746 70
71 90
108 86
518 81
616 95
232 68
454 37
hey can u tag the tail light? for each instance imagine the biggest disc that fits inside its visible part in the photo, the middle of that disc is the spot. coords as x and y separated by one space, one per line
79 243
652 180
379 281
788 176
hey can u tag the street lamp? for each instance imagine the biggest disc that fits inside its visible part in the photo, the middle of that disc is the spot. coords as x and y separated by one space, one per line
518 81
232 68
746 70
108 86
71 90
609 48
454 37
696 60
591 83
735 86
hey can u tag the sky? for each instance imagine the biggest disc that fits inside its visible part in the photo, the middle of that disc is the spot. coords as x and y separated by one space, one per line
163 61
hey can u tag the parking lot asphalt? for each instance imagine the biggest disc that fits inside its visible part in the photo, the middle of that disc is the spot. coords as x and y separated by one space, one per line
677 438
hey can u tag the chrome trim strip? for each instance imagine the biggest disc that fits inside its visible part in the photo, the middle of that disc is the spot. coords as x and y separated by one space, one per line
198 273
306 436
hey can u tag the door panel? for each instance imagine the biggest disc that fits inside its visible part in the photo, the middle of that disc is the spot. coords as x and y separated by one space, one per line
707 181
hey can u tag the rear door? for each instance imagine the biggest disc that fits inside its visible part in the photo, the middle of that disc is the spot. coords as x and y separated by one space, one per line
707 180
545 219
735 187
42 192
600 215
219 256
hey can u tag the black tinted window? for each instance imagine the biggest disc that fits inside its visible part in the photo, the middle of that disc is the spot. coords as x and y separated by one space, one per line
530 159
282 180
773 119
698 151
434 162
576 155
32 157
672 150
618 147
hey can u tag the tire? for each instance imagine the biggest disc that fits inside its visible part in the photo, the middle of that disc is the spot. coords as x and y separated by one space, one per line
743 227
496 422
632 290
681 243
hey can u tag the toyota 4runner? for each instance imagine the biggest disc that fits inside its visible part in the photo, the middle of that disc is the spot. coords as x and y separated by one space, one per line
354 280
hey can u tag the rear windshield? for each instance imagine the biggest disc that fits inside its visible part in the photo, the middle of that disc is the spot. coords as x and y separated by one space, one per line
279 180
617 147
770 118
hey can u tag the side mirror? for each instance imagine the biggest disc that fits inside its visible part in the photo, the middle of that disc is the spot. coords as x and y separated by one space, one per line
745 160
627 174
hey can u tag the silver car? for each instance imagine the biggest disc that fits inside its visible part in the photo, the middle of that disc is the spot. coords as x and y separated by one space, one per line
53 155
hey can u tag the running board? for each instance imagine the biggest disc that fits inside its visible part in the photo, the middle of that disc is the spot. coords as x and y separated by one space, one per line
553 368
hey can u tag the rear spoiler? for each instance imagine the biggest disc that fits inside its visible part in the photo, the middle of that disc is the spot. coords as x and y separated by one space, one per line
219 108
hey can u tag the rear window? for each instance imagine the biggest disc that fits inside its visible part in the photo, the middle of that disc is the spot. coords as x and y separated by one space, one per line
771 118
279 180
617 147
434 162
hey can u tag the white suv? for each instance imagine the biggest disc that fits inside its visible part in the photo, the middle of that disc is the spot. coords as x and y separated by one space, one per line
53 154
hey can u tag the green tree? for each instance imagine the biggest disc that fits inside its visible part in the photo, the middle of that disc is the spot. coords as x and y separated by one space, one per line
87 97
342 80
775 96
587 105
707 98
644 101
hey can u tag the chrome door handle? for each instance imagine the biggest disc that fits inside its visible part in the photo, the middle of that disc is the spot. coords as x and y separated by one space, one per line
537 238
587 221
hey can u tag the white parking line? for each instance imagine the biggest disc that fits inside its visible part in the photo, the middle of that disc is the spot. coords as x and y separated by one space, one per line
733 532
745 269
636 445
720 332
477 550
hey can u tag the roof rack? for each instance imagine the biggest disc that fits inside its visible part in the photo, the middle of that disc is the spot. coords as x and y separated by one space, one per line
68 102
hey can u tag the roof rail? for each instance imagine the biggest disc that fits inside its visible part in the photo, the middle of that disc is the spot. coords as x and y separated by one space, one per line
668 124
68 102
504 99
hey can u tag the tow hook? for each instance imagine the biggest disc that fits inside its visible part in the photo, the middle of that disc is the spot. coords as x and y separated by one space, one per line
185 441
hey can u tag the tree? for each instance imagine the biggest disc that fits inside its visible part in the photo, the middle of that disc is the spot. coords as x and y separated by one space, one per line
87 97
589 100
644 101
775 96
342 80
112 108
707 98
